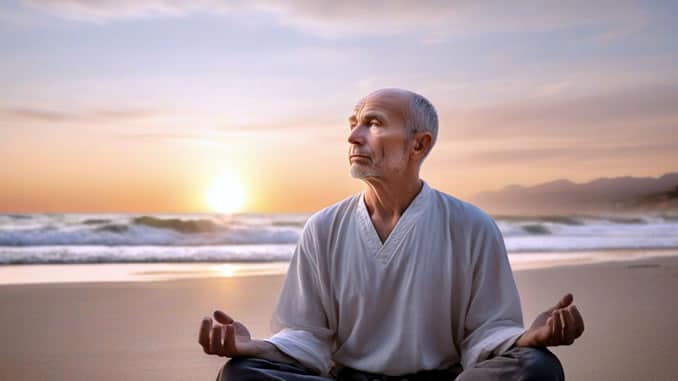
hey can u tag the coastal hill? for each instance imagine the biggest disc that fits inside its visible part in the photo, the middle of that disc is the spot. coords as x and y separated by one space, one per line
618 195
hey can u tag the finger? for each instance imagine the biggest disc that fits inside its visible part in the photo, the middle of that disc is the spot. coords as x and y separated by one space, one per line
565 301
230 348
222 336
570 326
557 328
563 326
222 317
204 335
215 342
551 321
544 331
579 321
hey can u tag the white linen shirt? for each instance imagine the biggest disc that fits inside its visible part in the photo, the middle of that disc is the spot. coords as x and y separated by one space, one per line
439 291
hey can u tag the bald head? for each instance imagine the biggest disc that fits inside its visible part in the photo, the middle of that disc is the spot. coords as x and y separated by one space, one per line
397 95
416 111
397 100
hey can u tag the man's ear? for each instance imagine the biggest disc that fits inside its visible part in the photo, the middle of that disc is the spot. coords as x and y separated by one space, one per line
422 142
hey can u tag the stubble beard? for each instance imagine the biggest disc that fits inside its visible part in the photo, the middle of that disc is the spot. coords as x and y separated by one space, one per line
361 171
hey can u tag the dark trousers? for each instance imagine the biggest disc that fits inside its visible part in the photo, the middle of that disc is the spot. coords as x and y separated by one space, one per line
525 364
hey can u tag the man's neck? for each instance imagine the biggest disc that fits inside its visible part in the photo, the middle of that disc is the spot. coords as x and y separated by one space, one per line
389 199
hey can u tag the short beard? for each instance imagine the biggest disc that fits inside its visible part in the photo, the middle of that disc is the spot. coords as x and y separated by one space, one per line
362 172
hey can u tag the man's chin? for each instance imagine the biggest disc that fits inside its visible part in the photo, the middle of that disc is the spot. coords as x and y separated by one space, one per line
360 172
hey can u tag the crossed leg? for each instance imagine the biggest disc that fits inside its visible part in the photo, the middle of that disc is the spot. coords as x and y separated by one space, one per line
255 369
524 364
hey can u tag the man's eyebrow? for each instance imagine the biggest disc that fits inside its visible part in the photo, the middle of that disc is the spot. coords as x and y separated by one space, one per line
353 118
374 115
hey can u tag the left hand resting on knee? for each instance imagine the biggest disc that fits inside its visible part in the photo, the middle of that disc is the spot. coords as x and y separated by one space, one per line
559 325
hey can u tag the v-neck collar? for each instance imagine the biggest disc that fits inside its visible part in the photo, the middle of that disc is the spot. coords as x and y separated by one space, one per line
384 251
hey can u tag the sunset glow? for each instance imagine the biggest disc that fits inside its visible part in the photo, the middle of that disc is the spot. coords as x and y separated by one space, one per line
525 95
225 194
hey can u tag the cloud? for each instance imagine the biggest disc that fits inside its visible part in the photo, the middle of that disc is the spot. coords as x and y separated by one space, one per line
578 153
634 112
439 18
329 18
28 114
628 126
102 10
283 130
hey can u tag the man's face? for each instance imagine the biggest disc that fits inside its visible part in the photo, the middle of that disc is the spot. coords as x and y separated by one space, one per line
378 140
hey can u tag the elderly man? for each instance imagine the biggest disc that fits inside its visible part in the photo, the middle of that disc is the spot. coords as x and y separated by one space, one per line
400 281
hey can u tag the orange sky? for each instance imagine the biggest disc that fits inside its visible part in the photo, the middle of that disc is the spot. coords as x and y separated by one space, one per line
278 176
134 107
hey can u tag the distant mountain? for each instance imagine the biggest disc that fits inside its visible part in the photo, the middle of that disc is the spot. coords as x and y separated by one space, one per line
619 194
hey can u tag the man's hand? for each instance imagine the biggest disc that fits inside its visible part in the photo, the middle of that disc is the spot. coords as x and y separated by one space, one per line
228 338
559 325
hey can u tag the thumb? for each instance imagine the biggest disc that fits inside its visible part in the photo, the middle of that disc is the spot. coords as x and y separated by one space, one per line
565 301
222 318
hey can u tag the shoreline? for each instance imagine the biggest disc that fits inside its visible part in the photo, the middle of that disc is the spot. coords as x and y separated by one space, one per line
25 274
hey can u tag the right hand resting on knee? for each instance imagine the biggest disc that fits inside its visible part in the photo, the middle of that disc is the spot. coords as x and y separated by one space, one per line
227 338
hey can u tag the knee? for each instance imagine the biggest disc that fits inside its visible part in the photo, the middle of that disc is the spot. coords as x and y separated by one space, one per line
540 364
240 368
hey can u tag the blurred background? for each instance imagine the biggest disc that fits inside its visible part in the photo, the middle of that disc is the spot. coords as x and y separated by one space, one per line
161 130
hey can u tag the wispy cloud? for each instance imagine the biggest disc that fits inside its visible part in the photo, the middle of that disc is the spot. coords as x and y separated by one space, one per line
583 152
283 130
439 18
636 112
107 10
628 129
435 18
50 116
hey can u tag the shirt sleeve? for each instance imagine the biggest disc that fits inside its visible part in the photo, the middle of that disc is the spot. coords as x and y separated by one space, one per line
299 320
494 319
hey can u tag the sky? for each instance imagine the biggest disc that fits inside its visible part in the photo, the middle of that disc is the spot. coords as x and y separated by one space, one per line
138 105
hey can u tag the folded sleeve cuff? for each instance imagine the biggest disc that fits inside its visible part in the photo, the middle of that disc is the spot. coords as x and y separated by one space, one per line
304 347
494 344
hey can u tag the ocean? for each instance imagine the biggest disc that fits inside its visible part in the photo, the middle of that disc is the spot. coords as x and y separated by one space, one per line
256 238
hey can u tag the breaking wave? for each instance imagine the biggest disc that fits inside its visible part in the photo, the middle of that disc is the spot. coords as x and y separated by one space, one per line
120 238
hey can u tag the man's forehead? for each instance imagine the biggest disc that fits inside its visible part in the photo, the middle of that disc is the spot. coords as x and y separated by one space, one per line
389 102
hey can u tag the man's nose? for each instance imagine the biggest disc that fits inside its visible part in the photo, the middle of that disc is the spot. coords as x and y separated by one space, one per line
356 135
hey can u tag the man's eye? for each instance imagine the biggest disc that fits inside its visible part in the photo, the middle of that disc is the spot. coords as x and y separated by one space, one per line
374 122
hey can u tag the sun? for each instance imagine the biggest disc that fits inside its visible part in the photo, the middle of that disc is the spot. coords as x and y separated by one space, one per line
225 194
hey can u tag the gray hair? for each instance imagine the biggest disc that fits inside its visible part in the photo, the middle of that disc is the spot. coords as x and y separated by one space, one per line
422 117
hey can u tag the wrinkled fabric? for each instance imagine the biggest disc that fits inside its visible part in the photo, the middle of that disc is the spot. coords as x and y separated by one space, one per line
515 364
438 291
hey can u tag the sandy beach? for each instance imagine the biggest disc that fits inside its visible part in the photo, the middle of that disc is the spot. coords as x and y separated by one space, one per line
148 330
